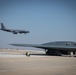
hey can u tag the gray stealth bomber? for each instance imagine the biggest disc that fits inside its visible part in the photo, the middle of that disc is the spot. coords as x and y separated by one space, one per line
13 30
54 48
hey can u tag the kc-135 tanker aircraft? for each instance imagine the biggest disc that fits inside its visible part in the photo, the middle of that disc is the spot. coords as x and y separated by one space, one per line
13 30
54 48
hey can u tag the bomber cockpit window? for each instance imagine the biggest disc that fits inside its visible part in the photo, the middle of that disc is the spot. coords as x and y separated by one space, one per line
68 44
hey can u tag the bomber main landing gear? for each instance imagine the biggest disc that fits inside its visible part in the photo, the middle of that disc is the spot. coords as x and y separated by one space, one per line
53 52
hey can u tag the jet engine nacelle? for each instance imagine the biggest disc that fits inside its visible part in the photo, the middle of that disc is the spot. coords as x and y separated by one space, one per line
14 32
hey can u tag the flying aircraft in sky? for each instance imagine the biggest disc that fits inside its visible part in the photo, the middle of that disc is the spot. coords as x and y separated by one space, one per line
54 48
12 30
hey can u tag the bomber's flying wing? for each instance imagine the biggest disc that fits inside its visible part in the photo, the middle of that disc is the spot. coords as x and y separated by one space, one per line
54 48
46 46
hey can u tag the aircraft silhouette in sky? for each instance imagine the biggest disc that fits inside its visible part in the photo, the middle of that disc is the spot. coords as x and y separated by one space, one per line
3 28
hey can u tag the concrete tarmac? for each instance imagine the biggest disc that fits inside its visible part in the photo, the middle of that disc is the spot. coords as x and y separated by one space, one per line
11 64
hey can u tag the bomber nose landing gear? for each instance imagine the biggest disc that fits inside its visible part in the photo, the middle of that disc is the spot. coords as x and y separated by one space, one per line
27 54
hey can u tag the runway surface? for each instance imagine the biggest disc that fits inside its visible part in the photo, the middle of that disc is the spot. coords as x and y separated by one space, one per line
13 63
10 55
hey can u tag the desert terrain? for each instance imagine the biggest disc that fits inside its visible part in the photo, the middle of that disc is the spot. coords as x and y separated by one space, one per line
15 62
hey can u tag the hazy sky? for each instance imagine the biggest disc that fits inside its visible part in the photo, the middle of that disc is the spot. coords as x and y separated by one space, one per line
47 21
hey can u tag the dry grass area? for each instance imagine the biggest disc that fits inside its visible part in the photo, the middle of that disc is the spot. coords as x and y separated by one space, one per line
48 65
